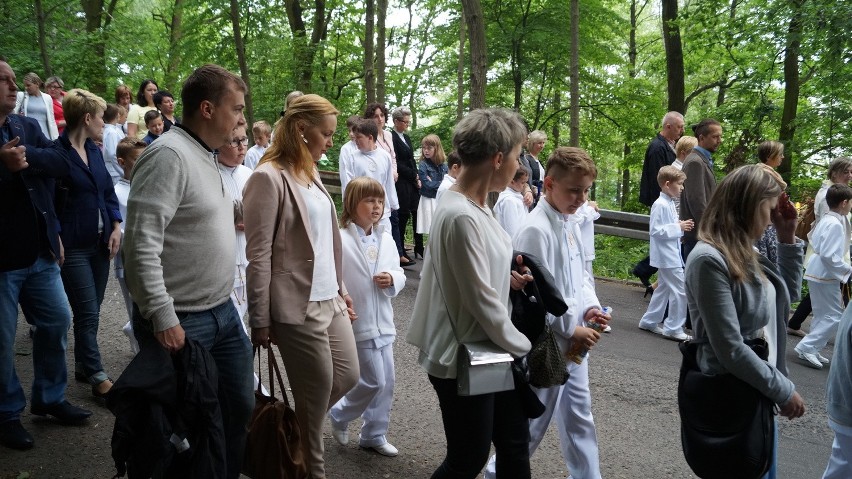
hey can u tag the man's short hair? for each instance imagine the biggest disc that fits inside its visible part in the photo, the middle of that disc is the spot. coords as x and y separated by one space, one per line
160 96
207 83
150 116
668 117
77 103
127 146
703 127
261 128
569 160
669 173
400 112
836 194
366 127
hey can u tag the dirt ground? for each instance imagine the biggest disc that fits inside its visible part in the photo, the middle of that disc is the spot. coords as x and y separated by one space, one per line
633 380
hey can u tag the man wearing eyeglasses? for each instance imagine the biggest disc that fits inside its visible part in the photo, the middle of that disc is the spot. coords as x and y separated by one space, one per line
29 271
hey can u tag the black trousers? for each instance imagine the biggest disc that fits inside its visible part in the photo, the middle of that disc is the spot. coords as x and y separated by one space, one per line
472 423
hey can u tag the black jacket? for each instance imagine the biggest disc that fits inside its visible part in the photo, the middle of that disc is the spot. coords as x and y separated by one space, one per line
160 401
28 223
528 315
658 155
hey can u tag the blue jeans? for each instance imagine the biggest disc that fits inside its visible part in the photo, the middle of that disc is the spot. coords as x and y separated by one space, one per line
85 274
38 289
220 331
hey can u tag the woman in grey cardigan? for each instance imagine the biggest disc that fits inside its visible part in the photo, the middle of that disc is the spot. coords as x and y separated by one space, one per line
734 294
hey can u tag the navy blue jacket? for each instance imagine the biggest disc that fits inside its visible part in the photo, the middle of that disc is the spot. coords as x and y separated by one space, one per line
658 155
84 193
28 223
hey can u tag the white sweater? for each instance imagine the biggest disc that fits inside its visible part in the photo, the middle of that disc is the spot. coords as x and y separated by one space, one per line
372 304
465 280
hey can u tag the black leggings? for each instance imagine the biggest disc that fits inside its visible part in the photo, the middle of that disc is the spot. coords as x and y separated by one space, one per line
801 313
472 423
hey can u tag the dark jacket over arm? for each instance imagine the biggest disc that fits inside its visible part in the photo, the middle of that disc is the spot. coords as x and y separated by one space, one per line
658 155
28 221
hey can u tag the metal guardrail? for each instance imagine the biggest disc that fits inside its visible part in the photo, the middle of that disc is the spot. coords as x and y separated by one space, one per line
613 223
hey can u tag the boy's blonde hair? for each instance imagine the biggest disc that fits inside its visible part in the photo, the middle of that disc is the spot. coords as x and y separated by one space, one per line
77 103
669 173
356 190
685 145
570 160
261 128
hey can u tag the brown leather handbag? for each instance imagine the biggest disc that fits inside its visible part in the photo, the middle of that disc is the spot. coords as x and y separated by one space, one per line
274 443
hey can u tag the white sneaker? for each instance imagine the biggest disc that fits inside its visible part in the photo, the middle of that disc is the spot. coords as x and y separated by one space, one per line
677 336
340 435
810 359
385 449
823 359
656 329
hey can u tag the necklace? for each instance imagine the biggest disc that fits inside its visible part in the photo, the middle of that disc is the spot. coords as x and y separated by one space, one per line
484 209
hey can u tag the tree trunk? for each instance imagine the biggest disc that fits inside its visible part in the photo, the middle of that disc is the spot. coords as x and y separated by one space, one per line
574 105
369 52
557 105
41 19
460 70
240 47
175 37
478 51
305 49
674 57
96 72
787 133
381 16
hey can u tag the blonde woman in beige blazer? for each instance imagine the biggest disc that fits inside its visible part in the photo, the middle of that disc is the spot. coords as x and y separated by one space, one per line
296 295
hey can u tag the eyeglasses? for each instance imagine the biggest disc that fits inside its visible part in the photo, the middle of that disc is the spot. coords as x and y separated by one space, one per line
237 142
54 86
404 122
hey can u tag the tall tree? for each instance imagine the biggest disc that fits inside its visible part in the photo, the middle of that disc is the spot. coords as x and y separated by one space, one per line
460 70
97 22
791 87
304 48
674 57
478 51
574 104
41 20
369 51
381 44
240 47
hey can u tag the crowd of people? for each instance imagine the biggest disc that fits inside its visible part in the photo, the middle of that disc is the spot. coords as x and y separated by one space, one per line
205 232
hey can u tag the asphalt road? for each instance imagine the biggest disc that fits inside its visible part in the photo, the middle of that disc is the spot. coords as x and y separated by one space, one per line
633 381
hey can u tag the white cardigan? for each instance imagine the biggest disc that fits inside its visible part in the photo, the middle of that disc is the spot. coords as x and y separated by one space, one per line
665 233
372 304
830 242
465 279
21 100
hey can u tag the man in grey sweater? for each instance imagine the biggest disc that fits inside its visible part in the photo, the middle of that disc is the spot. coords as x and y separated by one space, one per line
179 233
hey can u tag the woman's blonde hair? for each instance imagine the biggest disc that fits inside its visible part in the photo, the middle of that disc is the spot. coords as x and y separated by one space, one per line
289 150
769 149
77 103
356 190
728 221
433 140
685 145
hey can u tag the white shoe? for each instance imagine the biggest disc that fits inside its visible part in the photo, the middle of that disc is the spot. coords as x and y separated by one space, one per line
677 336
823 359
810 359
656 329
385 449
340 435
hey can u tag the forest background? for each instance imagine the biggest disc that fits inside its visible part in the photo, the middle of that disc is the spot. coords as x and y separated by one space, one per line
599 74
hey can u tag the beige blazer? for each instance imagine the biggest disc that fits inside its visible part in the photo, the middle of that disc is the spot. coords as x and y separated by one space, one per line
279 247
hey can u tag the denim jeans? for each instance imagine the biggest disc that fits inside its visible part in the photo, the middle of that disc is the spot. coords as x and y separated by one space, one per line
220 331
472 423
38 289
398 236
85 274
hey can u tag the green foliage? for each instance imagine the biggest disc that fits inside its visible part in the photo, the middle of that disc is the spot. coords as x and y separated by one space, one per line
615 257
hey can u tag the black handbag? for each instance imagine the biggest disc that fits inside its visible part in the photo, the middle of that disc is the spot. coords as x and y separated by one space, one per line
727 426
547 365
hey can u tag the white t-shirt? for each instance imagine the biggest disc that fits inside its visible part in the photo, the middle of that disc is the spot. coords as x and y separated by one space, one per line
324 283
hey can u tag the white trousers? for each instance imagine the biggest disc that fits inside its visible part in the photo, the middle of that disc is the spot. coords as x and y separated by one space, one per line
828 308
839 466
670 291
371 398
570 405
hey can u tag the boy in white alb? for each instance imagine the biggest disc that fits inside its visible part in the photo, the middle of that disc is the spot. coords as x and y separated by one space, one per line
550 234
373 276
112 135
453 168
347 152
509 210
373 162
262 132
126 152
825 271
666 230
